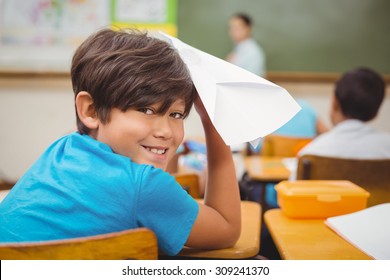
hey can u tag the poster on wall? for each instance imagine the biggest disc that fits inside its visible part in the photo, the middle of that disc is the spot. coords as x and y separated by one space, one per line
152 15
46 22
41 35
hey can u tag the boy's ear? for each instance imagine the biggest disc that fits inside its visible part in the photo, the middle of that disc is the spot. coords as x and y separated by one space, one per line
335 104
86 110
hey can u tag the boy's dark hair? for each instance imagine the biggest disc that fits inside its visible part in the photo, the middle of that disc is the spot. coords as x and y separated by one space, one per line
128 69
245 18
360 93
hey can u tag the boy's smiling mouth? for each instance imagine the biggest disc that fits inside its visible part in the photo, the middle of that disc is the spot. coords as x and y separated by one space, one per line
156 150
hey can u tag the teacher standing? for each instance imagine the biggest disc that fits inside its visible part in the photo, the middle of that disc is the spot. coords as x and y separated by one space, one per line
247 53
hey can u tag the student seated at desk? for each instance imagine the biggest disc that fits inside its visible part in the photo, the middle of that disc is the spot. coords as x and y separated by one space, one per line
132 93
356 101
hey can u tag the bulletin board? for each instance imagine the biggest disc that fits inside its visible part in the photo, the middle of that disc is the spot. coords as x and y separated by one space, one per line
150 15
41 35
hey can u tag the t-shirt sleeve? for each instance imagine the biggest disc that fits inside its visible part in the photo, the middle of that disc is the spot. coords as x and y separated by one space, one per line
165 208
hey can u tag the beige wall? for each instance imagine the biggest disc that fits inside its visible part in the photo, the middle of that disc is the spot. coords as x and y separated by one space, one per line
34 112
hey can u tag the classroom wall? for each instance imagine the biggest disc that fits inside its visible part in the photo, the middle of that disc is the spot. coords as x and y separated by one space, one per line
36 112
33 114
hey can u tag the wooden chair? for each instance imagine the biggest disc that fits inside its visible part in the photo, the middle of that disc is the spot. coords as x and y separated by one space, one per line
190 182
138 243
283 146
372 175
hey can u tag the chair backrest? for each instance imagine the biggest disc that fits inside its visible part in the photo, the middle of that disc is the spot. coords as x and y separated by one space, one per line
138 243
190 182
372 175
283 146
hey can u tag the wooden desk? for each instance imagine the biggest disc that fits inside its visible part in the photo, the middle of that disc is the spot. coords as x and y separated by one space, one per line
308 239
248 244
266 169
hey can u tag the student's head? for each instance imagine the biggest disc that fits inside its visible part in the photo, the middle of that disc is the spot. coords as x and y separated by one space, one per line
358 95
132 92
240 27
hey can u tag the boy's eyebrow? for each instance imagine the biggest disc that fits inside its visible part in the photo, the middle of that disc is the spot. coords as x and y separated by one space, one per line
179 106
179 103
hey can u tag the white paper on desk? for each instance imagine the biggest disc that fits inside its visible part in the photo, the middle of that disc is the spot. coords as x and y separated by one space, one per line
368 229
242 106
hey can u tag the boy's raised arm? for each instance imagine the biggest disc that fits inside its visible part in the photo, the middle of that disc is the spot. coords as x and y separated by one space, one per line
218 224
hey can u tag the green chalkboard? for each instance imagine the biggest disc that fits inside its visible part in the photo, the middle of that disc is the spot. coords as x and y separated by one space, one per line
297 35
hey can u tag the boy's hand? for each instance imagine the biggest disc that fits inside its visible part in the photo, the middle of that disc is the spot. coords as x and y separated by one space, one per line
199 107
201 110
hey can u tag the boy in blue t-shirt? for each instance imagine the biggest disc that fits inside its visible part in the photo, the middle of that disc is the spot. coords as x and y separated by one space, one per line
132 93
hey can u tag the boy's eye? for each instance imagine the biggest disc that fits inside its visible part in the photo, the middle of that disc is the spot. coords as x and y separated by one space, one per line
146 111
177 115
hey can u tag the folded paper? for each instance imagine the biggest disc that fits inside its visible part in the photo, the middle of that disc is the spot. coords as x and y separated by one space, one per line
242 106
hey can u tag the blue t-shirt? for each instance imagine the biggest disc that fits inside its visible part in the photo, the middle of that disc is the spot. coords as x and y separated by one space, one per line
303 124
80 187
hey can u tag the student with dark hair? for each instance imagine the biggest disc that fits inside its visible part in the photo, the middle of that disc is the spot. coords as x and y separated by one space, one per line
247 53
132 93
357 98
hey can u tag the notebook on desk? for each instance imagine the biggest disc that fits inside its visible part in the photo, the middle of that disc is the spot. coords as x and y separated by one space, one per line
368 229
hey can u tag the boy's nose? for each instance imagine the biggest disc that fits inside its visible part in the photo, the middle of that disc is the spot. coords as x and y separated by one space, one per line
163 129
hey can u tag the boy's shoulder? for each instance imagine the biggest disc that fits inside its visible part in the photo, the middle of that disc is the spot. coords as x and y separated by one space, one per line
82 147
75 144
87 154
80 154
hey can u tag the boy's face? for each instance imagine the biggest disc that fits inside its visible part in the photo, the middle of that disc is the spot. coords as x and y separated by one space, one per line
143 135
